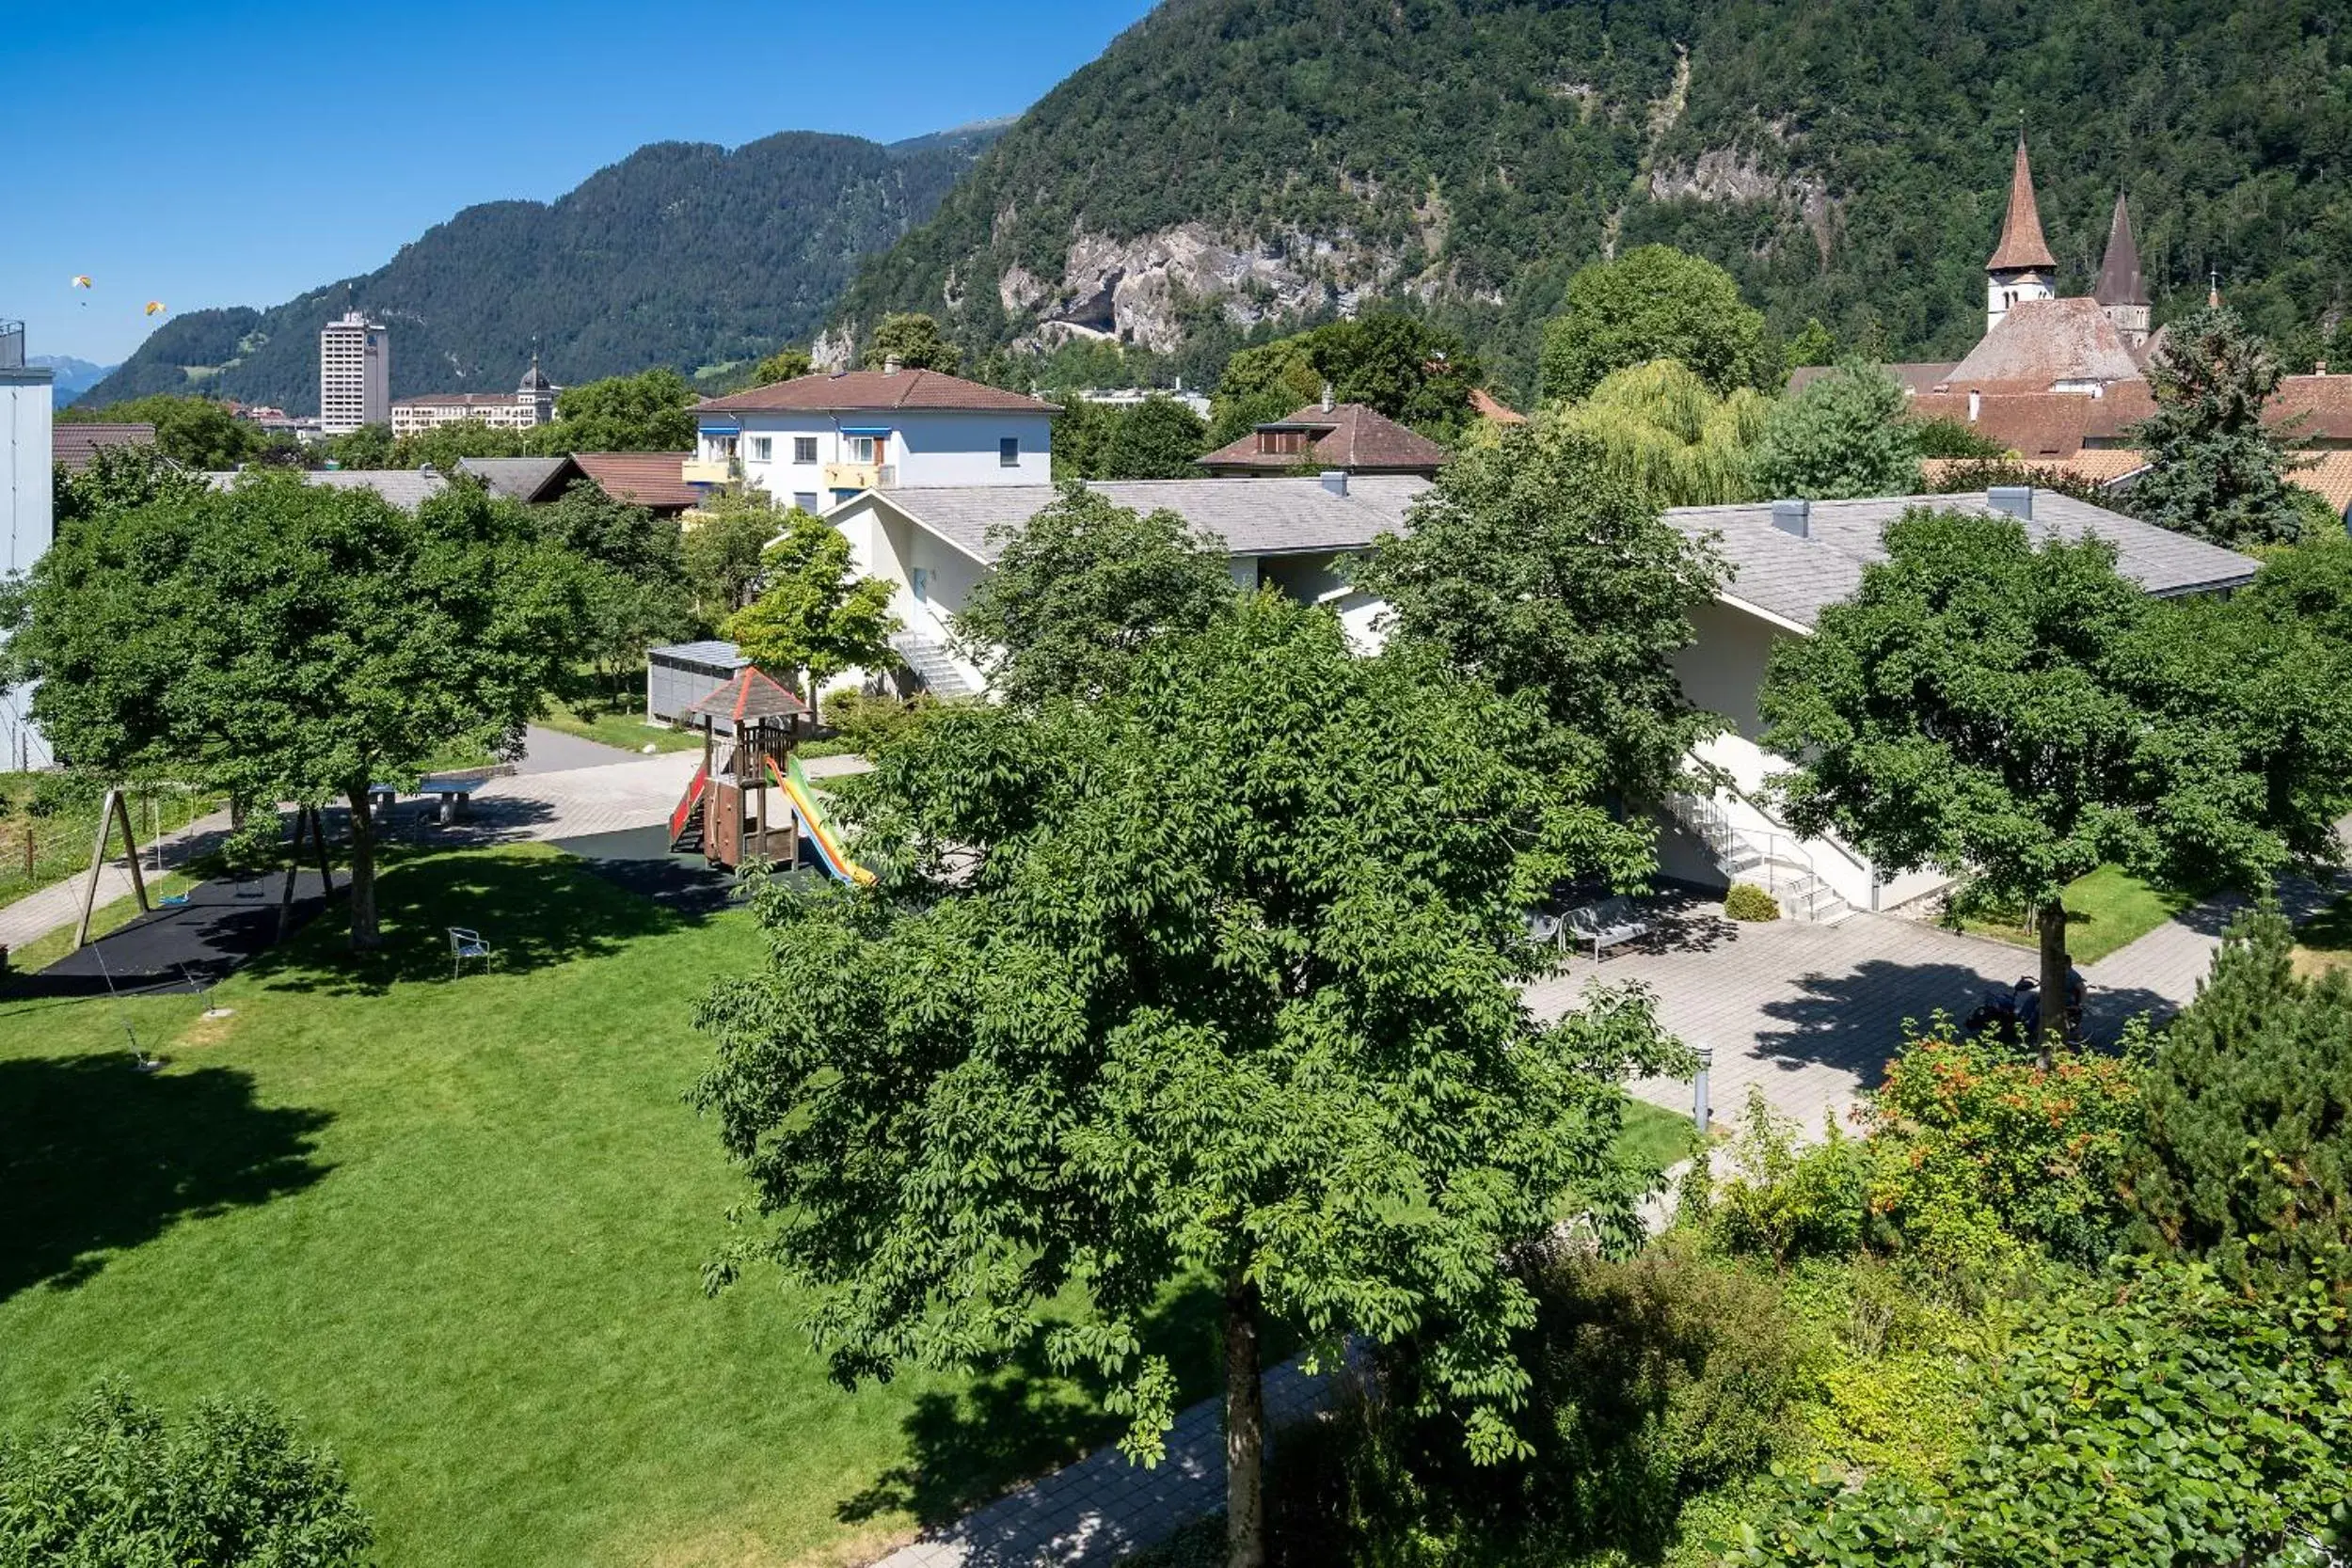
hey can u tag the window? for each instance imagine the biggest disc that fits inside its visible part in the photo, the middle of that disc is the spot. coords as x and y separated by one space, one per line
921 583
763 447
804 448
861 449
805 500
1008 453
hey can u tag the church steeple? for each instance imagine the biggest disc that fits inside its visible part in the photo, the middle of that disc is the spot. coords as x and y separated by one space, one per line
2122 293
2022 267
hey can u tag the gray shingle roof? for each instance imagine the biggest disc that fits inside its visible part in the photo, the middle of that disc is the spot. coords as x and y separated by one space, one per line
406 488
1794 579
1254 516
522 479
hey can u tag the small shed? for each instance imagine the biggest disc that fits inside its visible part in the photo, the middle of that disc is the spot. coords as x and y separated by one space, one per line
679 677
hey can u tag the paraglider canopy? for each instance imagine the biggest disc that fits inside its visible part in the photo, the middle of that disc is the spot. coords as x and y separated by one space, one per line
81 280
154 307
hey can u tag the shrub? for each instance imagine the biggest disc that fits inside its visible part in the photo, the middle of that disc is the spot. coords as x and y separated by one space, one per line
1777 1201
2245 1153
864 724
1976 1149
2161 1419
228 1487
1746 901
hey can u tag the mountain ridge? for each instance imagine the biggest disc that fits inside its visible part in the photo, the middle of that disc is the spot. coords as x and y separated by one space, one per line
683 253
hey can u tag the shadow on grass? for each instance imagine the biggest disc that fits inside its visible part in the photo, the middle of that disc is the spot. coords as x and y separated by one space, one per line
95 1157
1024 1420
535 908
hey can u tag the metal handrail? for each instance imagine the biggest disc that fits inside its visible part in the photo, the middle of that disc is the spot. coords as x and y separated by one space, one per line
1703 816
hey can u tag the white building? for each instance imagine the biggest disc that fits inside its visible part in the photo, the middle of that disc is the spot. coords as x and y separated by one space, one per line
355 375
527 407
1788 561
820 440
28 522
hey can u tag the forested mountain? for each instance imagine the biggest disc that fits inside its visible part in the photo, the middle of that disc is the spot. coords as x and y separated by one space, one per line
682 254
1228 162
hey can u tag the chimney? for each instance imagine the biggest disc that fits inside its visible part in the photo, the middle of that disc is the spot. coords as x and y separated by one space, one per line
892 364
1976 405
2014 500
1793 517
2320 368
1326 397
1335 481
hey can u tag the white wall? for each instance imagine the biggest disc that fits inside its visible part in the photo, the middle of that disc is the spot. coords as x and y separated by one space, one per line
1723 670
925 446
27 525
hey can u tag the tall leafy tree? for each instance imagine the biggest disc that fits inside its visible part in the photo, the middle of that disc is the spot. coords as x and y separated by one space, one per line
1668 434
720 552
117 477
2020 711
371 446
634 580
1842 437
284 641
786 364
1084 586
2217 470
1215 980
230 1485
1540 568
1655 303
914 340
650 411
195 433
1156 438
1397 365
815 616
444 446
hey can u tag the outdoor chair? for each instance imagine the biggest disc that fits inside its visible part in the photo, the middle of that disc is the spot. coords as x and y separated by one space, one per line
464 944
1607 923
1543 930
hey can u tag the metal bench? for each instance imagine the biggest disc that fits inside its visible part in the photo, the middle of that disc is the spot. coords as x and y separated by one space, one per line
1606 925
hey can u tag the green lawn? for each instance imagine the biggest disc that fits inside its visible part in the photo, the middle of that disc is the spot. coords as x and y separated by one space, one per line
457 1230
623 727
2325 940
1663 1138
2105 910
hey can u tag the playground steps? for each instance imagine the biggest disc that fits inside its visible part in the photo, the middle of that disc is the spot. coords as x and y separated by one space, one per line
686 822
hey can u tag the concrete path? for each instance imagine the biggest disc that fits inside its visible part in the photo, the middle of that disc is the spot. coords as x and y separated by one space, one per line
574 803
547 750
1102 1507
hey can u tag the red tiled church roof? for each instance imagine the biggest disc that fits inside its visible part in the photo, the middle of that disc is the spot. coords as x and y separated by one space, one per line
2022 245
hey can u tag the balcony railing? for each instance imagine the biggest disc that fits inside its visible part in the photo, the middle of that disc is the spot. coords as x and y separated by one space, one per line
861 476
713 470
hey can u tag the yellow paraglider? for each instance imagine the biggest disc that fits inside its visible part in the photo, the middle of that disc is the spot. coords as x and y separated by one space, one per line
154 307
81 280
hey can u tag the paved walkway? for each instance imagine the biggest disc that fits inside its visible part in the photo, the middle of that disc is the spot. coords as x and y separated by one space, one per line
1102 1507
547 750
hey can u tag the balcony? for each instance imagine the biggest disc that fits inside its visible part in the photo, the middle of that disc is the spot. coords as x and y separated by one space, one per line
715 471
861 476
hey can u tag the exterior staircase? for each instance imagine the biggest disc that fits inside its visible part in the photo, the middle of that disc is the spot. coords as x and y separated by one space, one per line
933 664
1777 862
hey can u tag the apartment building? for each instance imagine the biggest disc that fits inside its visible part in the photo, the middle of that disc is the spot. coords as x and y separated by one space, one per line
527 407
355 375
26 518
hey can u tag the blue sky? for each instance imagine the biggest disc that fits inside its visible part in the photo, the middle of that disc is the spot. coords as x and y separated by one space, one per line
237 153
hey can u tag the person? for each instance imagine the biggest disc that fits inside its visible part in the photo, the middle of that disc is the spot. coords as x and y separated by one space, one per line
2029 995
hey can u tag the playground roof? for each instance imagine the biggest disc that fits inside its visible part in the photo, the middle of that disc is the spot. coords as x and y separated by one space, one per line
751 694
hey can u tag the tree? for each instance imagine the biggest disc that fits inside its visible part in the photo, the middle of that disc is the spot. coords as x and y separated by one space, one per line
1654 303
650 411
916 341
1665 434
443 446
2241 1159
1084 586
1842 437
720 552
371 446
2216 470
1157 439
1397 365
195 433
786 364
1941 437
814 613
114 1485
117 477
1539 569
1812 346
1216 979
634 580
281 641
2023 713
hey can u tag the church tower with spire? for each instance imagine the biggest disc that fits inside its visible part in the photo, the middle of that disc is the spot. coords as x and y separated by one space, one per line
2022 267
2121 293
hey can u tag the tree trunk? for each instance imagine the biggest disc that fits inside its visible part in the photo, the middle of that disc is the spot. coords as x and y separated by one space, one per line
294 869
2052 921
1245 1431
365 934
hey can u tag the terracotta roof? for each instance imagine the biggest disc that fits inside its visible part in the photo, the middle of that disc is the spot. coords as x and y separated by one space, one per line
2118 273
2022 245
2330 478
865 389
751 694
1488 408
1355 438
649 479
71 445
2324 402
2041 342
2043 425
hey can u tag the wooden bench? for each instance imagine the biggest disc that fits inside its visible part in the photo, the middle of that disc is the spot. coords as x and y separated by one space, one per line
1605 924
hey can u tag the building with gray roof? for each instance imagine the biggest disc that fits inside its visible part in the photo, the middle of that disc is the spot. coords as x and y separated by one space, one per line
406 488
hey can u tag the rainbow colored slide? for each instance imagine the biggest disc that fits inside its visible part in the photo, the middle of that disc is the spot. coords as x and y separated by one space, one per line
796 788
